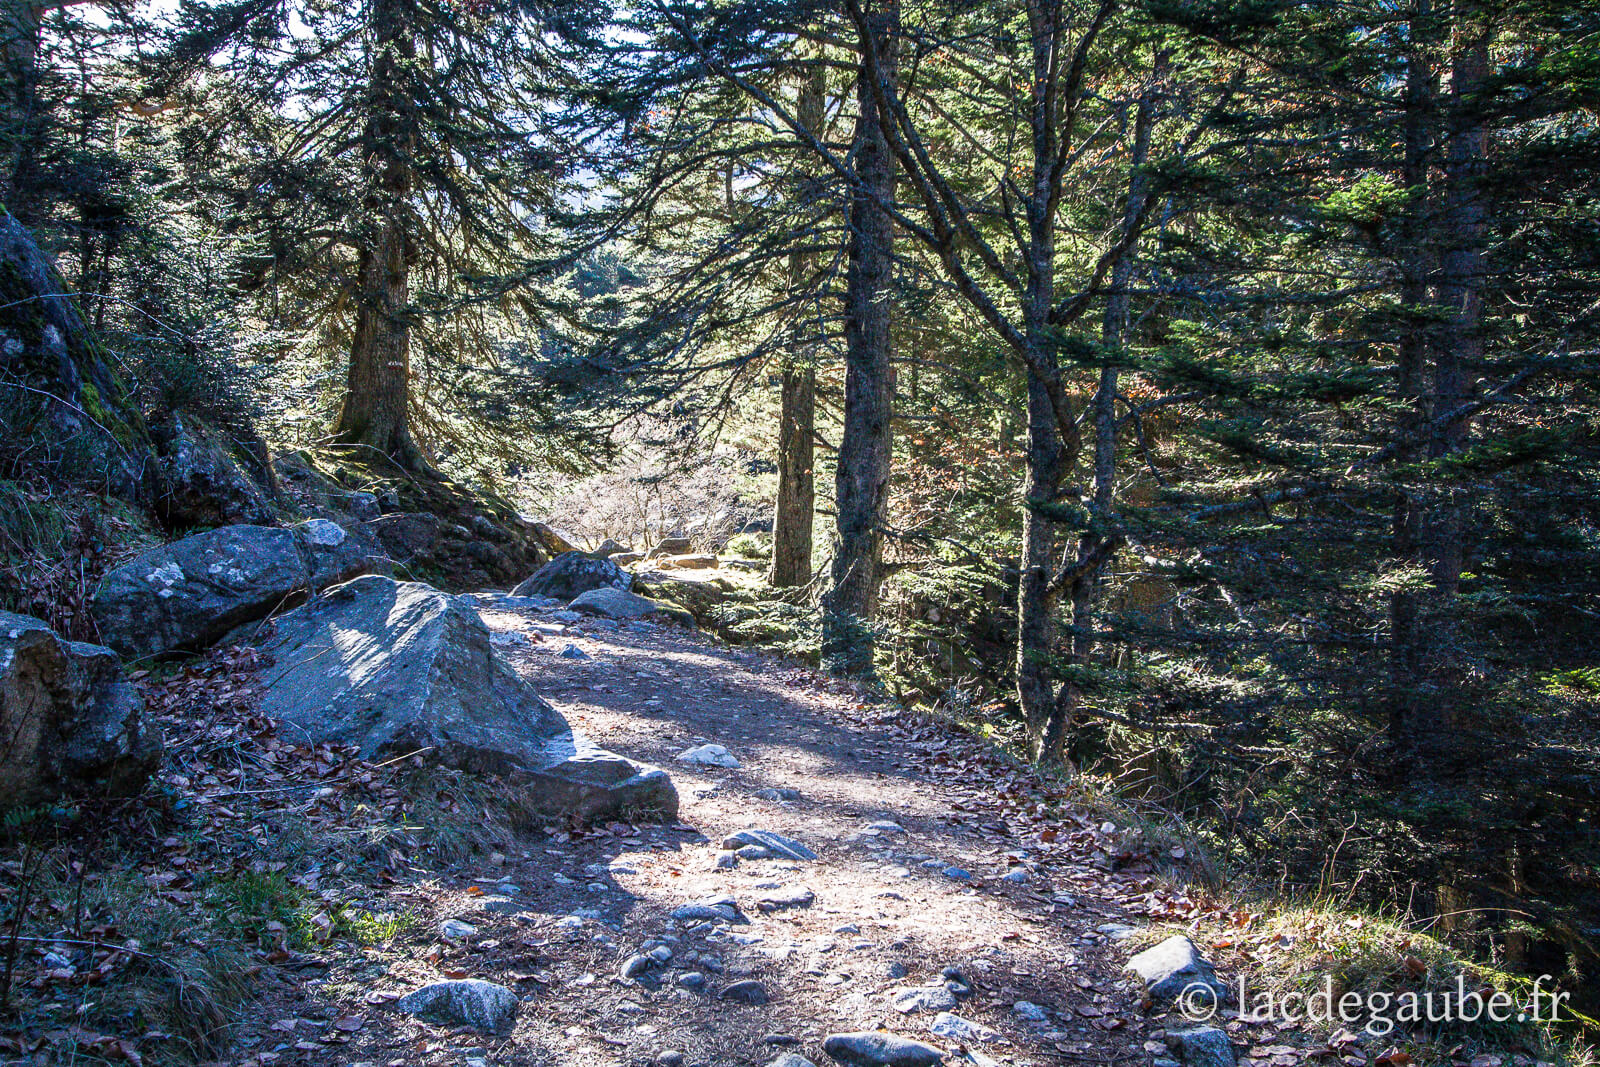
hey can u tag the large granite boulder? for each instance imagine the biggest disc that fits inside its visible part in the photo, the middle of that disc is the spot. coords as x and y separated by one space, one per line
190 593
400 667
70 721
572 573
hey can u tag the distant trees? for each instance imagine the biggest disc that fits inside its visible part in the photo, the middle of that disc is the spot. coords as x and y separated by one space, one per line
395 160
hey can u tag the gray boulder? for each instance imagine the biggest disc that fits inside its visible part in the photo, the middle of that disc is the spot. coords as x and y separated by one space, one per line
399 667
791 1059
472 1002
191 593
614 603
1175 969
70 722
869 1048
609 548
572 573
188 594
1202 1046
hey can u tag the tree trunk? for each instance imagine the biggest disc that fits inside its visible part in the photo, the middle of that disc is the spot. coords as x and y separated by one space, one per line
377 401
1415 261
1095 547
862 480
796 506
1457 358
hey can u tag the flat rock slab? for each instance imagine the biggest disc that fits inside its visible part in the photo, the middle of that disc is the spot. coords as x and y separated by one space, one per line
613 603
1175 969
711 909
481 1005
710 756
922 998
746 992
399 667
869 1048
956 1028
789 896
776 843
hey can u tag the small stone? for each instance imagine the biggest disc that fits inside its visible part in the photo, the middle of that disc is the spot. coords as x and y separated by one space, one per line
574 652
1029 1012
671 1059
693 980
1016 875
796 896
958 1029
1117 931
481 1005
847 928
1174 969
502 906
959 874
781 1040
727 861
634 966
922 998
895 969
885 826
787 847
780 794
790 1059
754 852
870 1048
711 909
456 930
709 756
661 953
1202 1046
746 992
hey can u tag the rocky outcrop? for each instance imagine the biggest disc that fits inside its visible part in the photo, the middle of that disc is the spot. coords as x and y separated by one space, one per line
554 541
70 721
204 480
68 416
400 667
698 593
484 1006
572 573
671 546
191 593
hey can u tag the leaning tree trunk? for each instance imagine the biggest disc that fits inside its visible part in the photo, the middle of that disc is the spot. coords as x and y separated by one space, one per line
377 402
794 513
862 480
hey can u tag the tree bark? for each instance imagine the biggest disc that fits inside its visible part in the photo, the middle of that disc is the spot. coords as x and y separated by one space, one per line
377 402
862 480
1095 546
794 513
1415 342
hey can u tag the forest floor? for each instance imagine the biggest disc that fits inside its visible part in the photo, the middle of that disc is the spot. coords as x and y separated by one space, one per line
896 808
327 882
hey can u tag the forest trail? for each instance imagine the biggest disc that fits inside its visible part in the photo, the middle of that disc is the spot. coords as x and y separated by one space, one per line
896 809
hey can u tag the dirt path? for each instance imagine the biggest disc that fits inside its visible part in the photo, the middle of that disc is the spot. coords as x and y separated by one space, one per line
914 828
